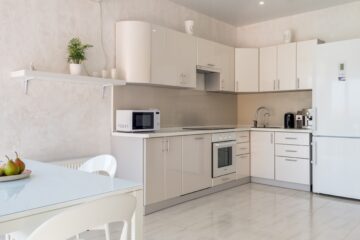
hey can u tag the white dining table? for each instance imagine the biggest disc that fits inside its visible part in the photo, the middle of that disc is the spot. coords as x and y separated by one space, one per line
52 189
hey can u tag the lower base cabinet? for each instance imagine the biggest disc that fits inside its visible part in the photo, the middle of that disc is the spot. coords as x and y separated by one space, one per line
196 163
162 169
294 170
243 166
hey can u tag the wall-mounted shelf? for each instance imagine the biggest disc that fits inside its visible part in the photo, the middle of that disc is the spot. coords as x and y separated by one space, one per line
28 75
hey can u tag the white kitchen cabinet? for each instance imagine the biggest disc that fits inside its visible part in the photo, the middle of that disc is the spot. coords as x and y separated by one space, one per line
151 54
262 155
208 53
196 163
221 57
268 69
227 66
292 152
294 170
306 53
162 169
247 70
286 67
243 166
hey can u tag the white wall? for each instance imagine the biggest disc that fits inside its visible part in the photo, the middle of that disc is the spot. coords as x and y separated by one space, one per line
60 120
331 24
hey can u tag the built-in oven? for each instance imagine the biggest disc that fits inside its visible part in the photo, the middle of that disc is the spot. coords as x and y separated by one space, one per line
223 155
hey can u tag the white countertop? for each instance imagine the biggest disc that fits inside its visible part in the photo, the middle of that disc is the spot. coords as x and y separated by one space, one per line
168 132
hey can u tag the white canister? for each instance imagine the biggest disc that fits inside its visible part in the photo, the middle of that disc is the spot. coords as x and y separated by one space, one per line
189 27
104 73
113 73
287 36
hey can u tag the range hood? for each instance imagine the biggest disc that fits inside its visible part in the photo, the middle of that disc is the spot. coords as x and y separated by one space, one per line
207 69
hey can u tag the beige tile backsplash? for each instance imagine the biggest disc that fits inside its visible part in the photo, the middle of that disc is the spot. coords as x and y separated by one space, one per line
277 103
179 107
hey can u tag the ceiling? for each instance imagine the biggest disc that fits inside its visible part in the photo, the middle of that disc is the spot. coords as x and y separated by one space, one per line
243 12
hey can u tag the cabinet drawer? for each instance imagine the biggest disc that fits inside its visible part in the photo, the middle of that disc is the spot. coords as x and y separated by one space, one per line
292 151
292 170
292 138
242 148
242 137
243 166
223 179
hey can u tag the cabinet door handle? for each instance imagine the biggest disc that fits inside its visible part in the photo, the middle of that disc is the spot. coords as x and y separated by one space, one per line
236 86
291 151
243 156
271 138
290 160
168 145
211 65
274 84
278 84
314 161
291 138
243 148
199 138
297 83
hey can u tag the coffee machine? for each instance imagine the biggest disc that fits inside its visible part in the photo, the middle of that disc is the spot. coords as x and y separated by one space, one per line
308 118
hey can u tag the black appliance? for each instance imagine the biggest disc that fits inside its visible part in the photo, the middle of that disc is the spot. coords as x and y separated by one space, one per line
289 120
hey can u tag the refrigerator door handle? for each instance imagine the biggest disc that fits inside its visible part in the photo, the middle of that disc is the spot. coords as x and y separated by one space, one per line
314 157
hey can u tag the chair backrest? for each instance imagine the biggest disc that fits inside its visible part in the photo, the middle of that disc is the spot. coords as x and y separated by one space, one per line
102 163
86 216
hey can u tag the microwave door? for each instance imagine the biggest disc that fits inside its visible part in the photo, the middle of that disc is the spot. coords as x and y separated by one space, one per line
143 121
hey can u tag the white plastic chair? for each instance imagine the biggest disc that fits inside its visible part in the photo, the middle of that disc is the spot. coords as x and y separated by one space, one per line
82 217
101 164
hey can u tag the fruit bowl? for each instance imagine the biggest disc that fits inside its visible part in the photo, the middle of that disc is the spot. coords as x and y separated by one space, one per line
25 174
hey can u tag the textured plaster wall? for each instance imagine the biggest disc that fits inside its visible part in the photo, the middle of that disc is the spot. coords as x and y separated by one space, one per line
60 120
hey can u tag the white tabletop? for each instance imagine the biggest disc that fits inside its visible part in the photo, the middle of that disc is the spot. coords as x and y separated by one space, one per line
51 185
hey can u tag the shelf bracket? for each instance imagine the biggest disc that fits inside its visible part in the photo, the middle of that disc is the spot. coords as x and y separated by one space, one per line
103 88
26 84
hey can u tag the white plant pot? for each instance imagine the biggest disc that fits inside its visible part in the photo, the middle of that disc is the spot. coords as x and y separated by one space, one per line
75 69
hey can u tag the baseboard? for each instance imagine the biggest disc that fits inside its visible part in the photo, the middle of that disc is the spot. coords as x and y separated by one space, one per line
175 201
281 184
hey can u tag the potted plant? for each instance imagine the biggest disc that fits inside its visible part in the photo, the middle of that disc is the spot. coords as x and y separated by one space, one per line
76 50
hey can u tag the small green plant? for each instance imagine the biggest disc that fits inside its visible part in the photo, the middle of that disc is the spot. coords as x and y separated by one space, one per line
76 50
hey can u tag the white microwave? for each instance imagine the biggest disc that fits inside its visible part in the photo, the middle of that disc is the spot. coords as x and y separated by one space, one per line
137 120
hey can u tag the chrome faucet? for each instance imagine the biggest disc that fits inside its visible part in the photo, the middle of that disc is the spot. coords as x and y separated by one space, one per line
263 120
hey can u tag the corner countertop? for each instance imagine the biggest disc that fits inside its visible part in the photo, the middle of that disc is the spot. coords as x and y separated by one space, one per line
168 132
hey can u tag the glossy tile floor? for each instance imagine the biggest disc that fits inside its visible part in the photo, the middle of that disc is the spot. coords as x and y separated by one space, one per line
253 212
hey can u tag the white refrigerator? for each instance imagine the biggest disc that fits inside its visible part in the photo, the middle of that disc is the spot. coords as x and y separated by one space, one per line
336 130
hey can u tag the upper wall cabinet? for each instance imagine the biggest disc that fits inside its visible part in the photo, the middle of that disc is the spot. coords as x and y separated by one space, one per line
268 68
305 63
220 57
149 54
288 66
247 70
278 68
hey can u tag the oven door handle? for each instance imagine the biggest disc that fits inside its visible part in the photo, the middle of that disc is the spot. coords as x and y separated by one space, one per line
225 144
